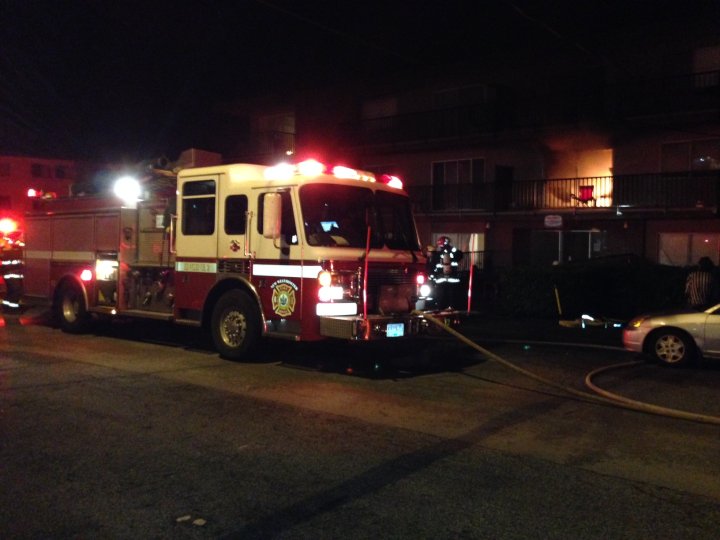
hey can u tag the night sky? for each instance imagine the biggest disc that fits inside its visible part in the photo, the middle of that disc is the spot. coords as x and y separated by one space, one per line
130 80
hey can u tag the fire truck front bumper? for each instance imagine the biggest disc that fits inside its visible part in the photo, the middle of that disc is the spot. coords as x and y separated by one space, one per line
377 327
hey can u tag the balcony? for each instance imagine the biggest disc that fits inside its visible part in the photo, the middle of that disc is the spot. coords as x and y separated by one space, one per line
464 121
678 191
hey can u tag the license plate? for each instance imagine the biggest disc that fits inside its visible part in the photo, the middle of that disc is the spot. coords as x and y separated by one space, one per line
395 330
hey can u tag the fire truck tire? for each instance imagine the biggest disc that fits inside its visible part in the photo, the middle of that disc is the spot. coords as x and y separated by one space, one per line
235 325
70 310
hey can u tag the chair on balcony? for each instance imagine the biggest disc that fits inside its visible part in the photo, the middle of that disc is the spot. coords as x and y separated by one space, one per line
585 195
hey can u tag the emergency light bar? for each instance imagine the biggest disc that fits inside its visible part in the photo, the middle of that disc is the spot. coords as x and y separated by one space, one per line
33 193
312 167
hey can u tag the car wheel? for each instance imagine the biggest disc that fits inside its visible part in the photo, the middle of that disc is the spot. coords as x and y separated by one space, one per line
672 348
235 325
70 309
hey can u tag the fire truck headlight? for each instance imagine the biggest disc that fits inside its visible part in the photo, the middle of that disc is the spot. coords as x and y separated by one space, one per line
326 294
425 290
128 190
325 279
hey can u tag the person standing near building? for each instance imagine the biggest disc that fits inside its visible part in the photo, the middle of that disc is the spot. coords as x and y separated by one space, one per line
445 261
701 287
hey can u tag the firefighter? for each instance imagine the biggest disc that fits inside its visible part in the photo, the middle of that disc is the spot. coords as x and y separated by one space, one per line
445 272
11 268
446 261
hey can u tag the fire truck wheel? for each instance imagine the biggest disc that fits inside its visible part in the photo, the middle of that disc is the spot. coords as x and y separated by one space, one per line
235 325
71 312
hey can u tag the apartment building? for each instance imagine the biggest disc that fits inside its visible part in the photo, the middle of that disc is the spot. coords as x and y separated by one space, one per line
525 160
43 175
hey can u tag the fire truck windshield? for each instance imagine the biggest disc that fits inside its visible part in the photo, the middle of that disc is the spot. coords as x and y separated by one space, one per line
338 216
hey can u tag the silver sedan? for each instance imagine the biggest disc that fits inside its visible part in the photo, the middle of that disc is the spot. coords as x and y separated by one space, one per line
675 338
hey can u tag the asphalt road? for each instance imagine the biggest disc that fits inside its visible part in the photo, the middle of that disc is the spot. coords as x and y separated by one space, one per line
142 432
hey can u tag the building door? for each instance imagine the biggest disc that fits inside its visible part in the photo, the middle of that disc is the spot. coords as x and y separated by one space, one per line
504 176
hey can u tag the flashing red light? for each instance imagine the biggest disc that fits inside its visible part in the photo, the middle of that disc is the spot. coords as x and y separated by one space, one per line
86 275
7 226
420 278
310 167
33 193
392 181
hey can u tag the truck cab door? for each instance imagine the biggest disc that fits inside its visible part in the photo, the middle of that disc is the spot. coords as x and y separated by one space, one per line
278 268
196 243
197 218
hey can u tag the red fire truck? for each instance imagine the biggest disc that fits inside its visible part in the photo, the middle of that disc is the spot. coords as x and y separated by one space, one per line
295 251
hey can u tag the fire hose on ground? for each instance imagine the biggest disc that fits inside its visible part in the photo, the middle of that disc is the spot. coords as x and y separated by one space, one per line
603 397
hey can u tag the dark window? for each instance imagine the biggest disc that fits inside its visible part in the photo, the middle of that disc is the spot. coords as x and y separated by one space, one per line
690 156
202 187
235 209
340 216
396 221
438 186
198 208
37 170
457 183
60 172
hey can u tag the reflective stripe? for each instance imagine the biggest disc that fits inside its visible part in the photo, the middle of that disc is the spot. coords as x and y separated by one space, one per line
73 255
61 255
286 270
199 267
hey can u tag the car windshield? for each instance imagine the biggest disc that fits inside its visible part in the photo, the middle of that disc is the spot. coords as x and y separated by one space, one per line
339 216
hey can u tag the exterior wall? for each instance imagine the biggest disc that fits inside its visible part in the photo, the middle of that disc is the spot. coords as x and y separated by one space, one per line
654 227
642 152
18 174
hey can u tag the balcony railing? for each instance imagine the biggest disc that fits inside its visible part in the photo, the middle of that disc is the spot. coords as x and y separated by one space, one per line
565 104
463 121
698 189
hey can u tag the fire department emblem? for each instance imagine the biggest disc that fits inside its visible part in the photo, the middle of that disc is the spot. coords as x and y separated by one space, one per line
283 297
235 246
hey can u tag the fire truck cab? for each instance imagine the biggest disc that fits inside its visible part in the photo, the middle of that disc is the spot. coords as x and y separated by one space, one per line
291 251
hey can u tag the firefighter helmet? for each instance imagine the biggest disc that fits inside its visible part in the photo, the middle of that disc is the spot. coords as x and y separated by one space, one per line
442 241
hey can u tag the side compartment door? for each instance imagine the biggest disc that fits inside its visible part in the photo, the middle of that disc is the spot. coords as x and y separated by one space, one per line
38 252
196 243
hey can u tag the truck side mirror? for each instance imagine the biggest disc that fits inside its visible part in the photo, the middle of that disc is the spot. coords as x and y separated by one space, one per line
272 215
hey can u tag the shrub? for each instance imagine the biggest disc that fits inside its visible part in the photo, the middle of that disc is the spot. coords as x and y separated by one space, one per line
613 287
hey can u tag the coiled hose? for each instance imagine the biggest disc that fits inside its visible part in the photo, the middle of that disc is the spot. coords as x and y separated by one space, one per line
603 397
